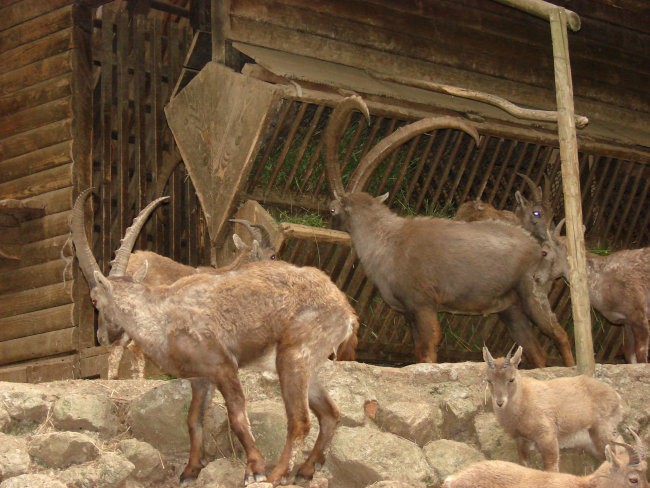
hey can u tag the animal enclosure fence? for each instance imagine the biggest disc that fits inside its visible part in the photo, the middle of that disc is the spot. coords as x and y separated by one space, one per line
431 175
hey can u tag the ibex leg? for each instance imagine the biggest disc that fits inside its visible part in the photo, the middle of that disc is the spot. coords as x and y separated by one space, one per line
641 336
629 344
427 335
140 361
521 331
230 387
523 449
294 372
550 450
201 396
328 416
535 303
115 353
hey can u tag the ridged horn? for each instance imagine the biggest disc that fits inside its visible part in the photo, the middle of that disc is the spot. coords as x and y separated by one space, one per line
639 447
371 160
255 233
333 135
118 265
534 189
634 457
87 261
558 228
509 355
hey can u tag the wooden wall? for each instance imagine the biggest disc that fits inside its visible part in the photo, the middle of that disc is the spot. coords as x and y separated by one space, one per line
44 68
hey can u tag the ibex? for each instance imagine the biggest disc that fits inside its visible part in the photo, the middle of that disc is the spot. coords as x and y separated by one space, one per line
619 288
563 412
620 470
165 271
535 215
423 266
204 327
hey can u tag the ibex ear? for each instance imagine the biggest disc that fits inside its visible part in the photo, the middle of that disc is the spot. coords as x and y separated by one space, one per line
239 244
103 282
610 455
141 273
516 358
519 198
487 357
382 198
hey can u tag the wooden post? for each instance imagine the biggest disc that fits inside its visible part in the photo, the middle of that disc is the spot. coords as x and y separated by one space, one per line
542 9
220 21
571 187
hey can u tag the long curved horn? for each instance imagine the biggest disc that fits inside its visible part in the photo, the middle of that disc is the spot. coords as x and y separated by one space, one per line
371 160
639 447
333 135
634 457
266 237
558 228
118 265
534 189
87 261
255 233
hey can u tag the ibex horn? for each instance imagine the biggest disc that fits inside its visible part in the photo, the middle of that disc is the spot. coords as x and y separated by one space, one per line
488 357
634 457
257 231
333 134
535 190
639 447
371 160
118 265
558 228
87 261
509 355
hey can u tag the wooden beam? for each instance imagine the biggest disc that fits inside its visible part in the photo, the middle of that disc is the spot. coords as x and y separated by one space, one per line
37 346
220 20
319 234
572 199
544 10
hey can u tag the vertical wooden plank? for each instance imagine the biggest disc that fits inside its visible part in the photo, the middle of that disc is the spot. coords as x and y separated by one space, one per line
440 184
469 150
288 142
408 157
434 164
424 158
502 171
121 188
107 146
630 197
478 160
220 20
639 208
156 102
139 101
613 211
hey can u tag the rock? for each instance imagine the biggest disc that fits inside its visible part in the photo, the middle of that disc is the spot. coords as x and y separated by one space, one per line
32 481
269 425
109 471
364 455
218 440
159 417
25 404
14 458
85 412
350 404
458 407
415 421
5 420
391 484
61 449
146 459
492 440
448 457
221 473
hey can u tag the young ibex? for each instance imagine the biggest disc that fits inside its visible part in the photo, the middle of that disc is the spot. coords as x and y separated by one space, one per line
620 470
563 412
422 266
204 327
535 215
165 271
619 288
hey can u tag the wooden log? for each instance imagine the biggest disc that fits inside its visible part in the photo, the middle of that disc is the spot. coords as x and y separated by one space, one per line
26 10
38 346
36 276
318 234
35 51
38 183
34 95
45 228
38 322
55 369
544 10
21 210
33 162
36 28
35 139
55 201
44 250
36 299
35 117
31 74
571 188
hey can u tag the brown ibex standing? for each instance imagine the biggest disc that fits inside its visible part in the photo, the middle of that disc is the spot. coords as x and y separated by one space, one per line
423 266
620 470
563 412
204 327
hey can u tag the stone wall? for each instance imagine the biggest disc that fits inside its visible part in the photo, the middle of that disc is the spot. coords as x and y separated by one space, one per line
400 428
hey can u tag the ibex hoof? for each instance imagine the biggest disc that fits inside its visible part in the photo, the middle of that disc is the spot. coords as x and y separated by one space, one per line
250 478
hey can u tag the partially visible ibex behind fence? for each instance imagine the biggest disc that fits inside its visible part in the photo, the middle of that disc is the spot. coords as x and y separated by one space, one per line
578 411
423 266
205 327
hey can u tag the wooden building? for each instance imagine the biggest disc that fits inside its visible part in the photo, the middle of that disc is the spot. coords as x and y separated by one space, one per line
83 87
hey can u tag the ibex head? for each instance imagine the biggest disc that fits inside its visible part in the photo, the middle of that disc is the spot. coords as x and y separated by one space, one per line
351 197
535 215
501 375
101 287
261 248
629 469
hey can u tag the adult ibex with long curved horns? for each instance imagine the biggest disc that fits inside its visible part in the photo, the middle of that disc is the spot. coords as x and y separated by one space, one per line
423 266
205 327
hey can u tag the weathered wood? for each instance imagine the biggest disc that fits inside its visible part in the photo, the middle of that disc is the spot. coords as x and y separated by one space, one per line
38 183
33 162
218 134
220 23
34 95
35 117
37 72
38 322
35 51
26 10
34 276
318 234
36 299
55 369
44 250
54 202
45 228
35 139
571 187
544 10
36 28
38 346
21 210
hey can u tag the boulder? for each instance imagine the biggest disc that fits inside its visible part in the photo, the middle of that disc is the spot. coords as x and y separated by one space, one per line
5 420
61 449
492 440
221 473
14 458
146 459
25 404
269 425
159 417
32 481
85 412
364 455
391 484
416 421
459 408
448 457
111 470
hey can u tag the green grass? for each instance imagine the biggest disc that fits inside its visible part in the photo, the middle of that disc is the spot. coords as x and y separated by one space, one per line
312 219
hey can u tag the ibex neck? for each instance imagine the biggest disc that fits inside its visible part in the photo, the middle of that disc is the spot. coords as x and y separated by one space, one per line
374 229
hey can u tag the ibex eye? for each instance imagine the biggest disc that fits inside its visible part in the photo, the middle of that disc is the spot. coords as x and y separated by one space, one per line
537 213
332 210
512 380
273 257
